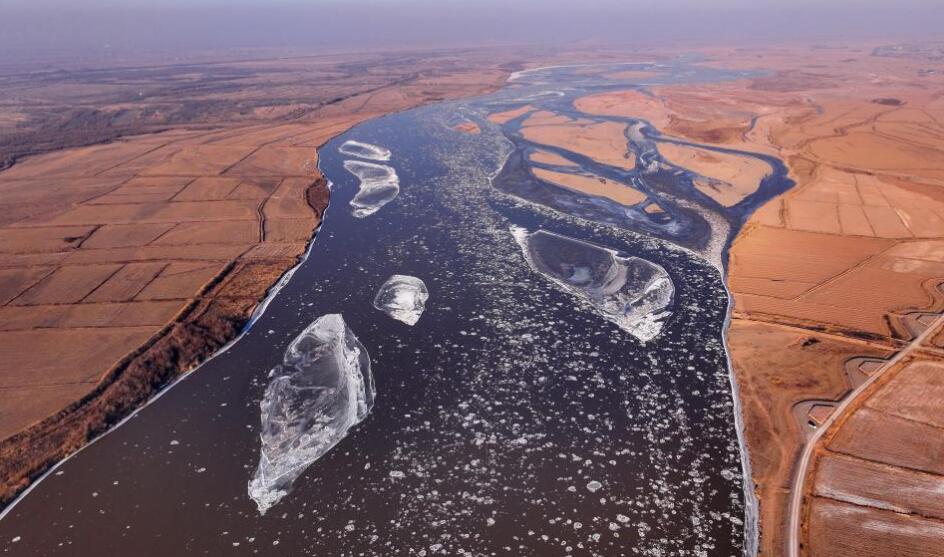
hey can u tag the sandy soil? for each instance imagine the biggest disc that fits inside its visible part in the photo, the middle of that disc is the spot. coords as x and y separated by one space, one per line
546 157
603 141
469 127
632 103
593 185
509 115
738 176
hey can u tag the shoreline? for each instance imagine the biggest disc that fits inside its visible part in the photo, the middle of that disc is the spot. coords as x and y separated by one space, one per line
207 349
257 312
15 449
751 501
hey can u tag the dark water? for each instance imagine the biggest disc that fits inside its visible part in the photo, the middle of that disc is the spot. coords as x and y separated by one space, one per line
493 413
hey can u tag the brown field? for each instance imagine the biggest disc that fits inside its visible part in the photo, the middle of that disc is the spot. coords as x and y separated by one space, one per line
838 266
772 389
880 533
128 262
830 280
879 468
845 265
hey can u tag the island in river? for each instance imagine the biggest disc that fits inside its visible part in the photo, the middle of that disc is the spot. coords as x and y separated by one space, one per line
522 410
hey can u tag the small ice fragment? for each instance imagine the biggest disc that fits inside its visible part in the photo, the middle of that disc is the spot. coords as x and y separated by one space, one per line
174 442
365 150
379 185
396 474
403 298
323 388
593 486
632 292
16 539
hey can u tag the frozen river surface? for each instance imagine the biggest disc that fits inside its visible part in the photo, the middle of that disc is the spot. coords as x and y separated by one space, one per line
554 382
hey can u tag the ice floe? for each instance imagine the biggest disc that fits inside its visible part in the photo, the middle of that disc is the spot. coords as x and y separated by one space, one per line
365 151
634 293
379 185
403 298
323 388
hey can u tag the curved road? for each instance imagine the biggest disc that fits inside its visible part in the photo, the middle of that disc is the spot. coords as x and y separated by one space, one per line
796 495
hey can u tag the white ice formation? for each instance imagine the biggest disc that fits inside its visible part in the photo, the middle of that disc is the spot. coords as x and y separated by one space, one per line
323 388
634 293
403 298
365 151
379 185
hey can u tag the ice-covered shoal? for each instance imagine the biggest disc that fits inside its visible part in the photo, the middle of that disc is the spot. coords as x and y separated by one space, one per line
632 292
379 185
365 151
322 389
403 298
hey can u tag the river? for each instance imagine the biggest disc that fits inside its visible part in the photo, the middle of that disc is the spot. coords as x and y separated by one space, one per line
512 419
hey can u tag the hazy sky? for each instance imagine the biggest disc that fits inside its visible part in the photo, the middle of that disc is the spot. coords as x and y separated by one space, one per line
348 24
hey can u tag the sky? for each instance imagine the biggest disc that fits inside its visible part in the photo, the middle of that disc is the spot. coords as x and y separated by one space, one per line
345 25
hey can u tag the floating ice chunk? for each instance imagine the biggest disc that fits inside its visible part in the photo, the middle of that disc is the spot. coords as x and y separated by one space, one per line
403 298
365 151
323 388
379 186
633 293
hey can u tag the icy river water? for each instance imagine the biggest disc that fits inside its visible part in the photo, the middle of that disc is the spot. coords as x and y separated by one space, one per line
565 392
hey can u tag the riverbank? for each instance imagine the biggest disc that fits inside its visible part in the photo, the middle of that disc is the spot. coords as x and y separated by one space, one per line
149 253
838 274
484 400
832 278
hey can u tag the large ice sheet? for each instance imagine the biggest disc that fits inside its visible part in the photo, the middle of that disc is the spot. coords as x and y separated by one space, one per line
365 150
379 186
323 388
632 292
403 298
